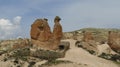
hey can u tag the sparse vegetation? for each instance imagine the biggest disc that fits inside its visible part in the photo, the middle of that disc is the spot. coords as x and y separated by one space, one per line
54 62
118 63
20 54
115 57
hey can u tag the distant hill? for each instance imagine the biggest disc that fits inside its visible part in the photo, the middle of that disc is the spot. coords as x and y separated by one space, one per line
100 34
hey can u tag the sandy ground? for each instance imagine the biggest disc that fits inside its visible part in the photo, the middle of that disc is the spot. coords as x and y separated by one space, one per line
80 56
106 49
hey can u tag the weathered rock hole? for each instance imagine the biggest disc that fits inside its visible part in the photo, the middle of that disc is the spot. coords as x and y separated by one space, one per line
61 47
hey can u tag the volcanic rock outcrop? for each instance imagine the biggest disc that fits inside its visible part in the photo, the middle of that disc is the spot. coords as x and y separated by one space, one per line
88 43
87 36
114 41
41 35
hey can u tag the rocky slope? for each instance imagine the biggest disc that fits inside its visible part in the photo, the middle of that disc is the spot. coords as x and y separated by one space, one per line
17 53
74 57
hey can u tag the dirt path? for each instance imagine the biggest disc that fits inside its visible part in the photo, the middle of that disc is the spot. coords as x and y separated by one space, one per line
80 56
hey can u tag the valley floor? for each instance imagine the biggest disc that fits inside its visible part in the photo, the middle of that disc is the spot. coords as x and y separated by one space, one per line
82 58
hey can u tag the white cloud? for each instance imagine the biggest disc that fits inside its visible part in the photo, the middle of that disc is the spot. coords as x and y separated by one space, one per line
17 20
9 29
4 22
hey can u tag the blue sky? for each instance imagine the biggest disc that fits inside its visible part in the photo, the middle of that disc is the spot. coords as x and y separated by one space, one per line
16 16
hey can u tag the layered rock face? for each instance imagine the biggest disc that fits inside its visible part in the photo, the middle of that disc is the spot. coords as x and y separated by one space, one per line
87 36
114 41
41 35
88 43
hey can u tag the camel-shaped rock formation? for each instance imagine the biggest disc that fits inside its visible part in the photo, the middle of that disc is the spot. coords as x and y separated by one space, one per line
41 35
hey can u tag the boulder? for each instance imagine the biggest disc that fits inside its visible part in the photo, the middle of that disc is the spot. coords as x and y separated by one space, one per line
90 46
78 43
114 41
88 43
87 36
